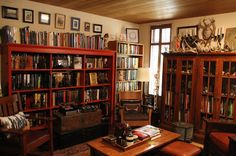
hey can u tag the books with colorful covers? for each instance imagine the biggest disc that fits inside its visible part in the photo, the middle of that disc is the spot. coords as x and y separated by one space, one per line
147 131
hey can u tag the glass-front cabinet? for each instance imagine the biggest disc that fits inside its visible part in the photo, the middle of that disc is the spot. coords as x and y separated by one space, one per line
178 88
198 87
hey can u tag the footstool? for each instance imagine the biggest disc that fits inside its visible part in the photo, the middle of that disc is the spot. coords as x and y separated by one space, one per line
179 148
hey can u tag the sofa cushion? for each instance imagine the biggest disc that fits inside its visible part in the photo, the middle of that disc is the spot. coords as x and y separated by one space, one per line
221 140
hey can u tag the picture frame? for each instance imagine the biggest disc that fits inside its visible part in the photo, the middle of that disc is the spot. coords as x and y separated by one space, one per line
9 12
87 26
191 30
60 21
97 28
75 23
44 18
132 35
28 16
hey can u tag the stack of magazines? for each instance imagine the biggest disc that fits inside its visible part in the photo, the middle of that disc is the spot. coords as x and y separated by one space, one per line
147 131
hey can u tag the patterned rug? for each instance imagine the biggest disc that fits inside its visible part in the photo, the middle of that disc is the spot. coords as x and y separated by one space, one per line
76 150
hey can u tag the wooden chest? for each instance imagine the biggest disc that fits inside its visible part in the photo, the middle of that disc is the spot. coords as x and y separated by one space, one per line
69 123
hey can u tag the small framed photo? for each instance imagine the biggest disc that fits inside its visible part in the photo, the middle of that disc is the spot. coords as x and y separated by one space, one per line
87 26
97 28
75 23
132 35
9 12
28 16
60 21
44 18
187 30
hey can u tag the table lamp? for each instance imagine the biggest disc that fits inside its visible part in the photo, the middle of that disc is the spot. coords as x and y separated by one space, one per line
143 75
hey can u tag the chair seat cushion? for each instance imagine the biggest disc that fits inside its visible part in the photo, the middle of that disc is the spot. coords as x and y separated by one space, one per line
134 115
179 148
221 140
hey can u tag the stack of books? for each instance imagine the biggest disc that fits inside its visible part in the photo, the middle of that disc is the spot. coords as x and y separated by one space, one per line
147 131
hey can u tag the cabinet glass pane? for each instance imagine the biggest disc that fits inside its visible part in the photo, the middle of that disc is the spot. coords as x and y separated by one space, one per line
228 90
185 92
208 90
170 90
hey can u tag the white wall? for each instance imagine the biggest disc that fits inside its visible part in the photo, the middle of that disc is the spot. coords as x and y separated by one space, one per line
222 20
112 26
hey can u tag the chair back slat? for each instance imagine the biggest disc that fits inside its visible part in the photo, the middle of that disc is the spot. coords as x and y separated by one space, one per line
10 105
131 95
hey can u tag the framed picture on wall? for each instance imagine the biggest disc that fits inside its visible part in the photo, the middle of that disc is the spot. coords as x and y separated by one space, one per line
60 21
44 18
187 30
132 35
9 12
75 23
87 26
28 16
97 28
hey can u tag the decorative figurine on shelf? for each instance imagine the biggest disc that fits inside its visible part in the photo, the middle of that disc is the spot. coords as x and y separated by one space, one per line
106 38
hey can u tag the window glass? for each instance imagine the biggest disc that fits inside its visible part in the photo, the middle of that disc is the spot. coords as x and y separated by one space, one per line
157 47
165 35
155 35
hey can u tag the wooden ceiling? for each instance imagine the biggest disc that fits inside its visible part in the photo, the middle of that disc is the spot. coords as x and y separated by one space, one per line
144 11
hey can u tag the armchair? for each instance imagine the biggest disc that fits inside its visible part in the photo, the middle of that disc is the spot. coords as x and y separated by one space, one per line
220 138
131 109
14 138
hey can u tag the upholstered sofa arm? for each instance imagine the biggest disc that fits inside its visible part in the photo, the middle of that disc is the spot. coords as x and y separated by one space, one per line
232 145
220 126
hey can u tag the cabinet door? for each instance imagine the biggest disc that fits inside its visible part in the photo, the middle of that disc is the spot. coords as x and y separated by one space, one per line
169 89
228 90
206 91
185 92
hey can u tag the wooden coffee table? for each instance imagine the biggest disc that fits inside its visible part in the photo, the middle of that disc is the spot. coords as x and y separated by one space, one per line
104 148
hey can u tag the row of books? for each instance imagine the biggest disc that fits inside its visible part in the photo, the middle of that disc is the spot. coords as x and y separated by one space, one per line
65 79
29 61
94 78
96 94
169 98
207 104
126 75
227 109
34 100
30 81
127 62
169 114
66 96
184 116
127 86
123 48
75 40
185 100
34 118
97 62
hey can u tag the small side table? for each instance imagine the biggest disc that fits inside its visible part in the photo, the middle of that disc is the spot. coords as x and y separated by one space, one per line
185 129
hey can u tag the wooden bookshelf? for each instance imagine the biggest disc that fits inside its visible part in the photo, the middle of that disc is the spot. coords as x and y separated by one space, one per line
47 76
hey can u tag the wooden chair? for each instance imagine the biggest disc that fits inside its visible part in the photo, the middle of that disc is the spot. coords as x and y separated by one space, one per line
131 109
21 141
220 138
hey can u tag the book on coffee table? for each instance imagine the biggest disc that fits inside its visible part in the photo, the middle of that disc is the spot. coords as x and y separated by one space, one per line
147 131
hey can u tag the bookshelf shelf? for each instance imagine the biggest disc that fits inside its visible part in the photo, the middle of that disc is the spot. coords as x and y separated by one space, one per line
47 76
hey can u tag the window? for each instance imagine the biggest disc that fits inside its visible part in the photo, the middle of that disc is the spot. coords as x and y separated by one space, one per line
160 42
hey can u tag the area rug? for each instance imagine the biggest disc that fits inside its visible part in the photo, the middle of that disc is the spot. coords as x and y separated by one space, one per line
76 150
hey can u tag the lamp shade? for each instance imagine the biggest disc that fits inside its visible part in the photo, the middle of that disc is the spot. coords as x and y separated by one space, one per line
143 74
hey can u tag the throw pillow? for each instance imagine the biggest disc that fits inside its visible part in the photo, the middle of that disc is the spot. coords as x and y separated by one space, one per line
16 121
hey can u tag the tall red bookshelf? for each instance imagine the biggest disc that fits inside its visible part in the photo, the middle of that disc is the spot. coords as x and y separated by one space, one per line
47 76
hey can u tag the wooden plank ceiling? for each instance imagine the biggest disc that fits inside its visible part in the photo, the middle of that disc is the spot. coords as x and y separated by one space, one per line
144 11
